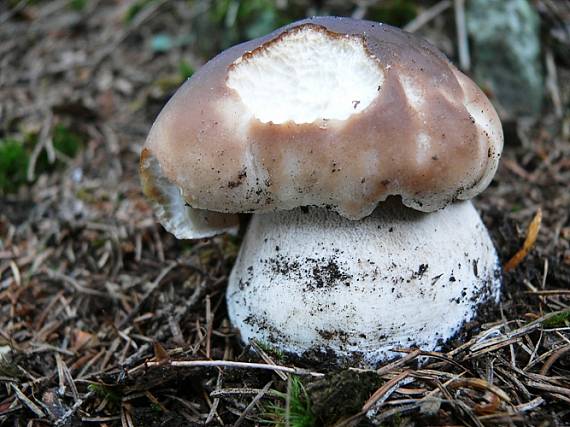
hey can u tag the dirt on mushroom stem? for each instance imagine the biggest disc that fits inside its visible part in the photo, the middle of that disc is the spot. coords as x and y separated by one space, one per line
317 281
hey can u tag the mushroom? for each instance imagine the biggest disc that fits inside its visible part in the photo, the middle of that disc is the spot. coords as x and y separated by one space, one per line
311 128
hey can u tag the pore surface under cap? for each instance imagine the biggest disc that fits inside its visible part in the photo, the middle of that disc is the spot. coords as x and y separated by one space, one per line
428 134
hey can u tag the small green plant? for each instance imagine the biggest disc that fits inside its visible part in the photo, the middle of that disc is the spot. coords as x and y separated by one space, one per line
155 407
78 5
185 70
245 19
135 8
268 348
295 408
13 165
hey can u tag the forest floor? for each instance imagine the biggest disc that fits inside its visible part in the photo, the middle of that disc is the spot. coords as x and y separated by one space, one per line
93 290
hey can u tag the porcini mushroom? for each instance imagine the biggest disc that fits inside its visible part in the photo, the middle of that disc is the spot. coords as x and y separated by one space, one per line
312 128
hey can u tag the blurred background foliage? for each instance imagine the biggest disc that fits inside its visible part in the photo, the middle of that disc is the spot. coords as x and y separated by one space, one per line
224 23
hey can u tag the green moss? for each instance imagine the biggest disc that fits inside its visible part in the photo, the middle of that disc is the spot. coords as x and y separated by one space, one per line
111 393
557 320
64 141
15 156
341 394
14 161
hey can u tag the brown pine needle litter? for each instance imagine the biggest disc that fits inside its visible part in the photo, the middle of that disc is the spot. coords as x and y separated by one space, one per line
106 319
529 241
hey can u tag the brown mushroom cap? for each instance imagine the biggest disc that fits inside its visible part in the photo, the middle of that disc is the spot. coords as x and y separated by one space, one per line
426 132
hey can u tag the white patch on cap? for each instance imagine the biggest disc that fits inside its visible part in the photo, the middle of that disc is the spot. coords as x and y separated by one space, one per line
305 76
490 132
423 147
414 93
481 118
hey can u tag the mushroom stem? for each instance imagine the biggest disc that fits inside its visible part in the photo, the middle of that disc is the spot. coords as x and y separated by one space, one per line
308 281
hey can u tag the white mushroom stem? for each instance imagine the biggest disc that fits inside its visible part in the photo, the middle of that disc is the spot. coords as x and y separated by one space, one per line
308 281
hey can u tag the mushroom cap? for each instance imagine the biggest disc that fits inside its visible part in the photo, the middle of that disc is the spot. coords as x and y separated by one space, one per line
333 112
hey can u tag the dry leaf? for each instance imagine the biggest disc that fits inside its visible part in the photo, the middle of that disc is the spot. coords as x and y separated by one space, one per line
531 236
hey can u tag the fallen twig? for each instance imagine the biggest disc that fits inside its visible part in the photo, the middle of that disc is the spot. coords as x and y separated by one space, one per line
427 15
229 364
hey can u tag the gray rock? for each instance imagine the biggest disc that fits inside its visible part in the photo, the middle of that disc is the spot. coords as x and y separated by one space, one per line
505 43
